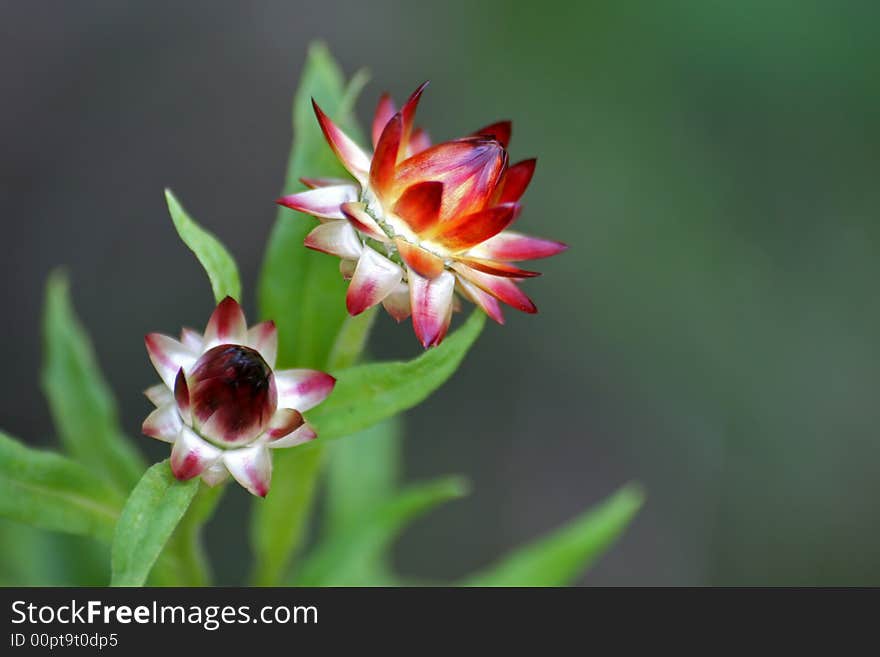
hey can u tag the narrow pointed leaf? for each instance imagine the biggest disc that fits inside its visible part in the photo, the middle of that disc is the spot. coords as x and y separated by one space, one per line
53 492
150 516
559 558
218 263
362 473
351 339
366 394
348 559
80 400
303 291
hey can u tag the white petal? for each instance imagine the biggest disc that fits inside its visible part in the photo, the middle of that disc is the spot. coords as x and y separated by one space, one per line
192 339
375 277
191 455
302 389
168 356
337 238
264 338
251 467
159 394
397 303
164 423
215 474
302 435
322 202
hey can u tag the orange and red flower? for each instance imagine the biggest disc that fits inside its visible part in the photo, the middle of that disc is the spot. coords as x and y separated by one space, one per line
424 222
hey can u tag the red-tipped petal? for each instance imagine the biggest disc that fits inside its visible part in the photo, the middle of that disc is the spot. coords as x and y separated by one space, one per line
464 232
397 303
515 181
181 395
419 205
408 111
431 306
191 455
227 325
497 268
337 238
484 300
503 289
302 435
500 131
384 111
423 262
385 157
419 141
349 153
163 423
302 389
324 202
168 356
357 214
513 246
251 467
284 422
375 277
314 183
264 338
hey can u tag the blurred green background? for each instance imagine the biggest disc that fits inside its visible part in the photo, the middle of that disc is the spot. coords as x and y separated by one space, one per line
712 333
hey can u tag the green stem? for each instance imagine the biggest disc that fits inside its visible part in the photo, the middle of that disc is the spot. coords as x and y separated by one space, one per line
297 473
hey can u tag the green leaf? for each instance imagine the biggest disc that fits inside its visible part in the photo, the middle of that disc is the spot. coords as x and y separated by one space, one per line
348 559
351 339
50 491
304 293
559 558
218 263
150 516
35 557
362 472
300 289
81 403
366 394
280 520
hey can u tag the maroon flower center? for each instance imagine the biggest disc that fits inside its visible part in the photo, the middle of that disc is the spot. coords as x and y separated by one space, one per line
233 394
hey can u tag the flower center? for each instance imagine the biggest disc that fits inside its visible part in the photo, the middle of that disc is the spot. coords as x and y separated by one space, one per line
233 394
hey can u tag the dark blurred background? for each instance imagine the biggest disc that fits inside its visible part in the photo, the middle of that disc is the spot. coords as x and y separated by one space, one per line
712 333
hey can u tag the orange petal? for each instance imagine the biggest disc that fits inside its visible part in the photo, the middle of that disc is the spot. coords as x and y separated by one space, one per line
498 268
426 264
515 181
385 157
408 111
357 214
419 205
466 231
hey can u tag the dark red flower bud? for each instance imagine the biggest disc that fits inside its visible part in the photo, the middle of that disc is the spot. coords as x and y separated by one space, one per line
232 394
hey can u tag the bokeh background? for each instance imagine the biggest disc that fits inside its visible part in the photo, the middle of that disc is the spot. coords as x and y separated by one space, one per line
712 333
